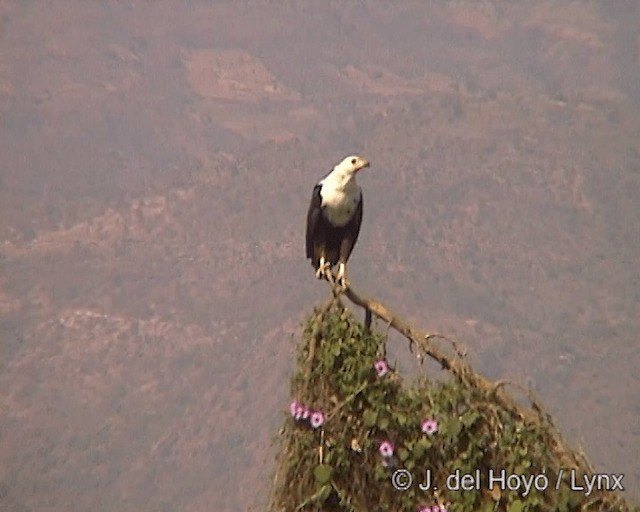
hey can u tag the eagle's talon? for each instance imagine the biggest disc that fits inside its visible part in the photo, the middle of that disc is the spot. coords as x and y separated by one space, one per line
341 278
328 275
323 269
344 283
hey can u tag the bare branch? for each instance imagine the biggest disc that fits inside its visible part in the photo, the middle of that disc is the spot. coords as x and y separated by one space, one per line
460 369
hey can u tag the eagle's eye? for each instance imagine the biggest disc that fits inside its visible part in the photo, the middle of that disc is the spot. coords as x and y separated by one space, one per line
353 161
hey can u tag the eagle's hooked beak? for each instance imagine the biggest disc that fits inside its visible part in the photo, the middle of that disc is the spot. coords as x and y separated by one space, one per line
362 164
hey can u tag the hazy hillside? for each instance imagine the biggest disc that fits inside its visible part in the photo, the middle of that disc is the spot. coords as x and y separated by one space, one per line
156 167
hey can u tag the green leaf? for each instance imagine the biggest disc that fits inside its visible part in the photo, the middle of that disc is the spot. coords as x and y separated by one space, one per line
489 506
370 417
452 427
418 451
516 506
425 443
328 360
383 423
574 500
403 454
469 418
322 473
324 493
381 473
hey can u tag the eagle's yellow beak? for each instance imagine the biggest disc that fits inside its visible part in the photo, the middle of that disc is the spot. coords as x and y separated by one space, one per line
362 163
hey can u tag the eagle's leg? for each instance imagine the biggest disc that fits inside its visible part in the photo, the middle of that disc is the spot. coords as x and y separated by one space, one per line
324 270
329 275
341 278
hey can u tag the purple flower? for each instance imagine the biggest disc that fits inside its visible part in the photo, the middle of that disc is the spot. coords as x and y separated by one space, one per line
386 450
382 368
317 419
427 509
293 408
430 426
301 412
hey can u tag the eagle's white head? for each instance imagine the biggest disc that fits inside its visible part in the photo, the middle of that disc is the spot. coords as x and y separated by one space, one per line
351 165
340 193
342 177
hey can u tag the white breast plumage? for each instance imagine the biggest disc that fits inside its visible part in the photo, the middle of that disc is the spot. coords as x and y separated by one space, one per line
338 207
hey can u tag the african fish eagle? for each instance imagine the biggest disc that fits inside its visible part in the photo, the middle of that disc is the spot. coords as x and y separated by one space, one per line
334 218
